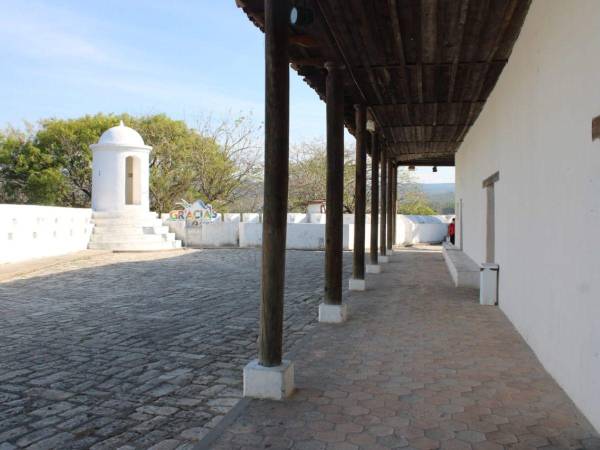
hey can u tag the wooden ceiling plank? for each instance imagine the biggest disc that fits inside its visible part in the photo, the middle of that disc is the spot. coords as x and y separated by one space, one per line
429 31
464 7
397 35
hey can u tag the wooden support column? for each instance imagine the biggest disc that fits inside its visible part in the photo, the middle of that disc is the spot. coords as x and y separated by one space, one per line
394 202
384 192
390 205
334 227
358 267
374 198
277 91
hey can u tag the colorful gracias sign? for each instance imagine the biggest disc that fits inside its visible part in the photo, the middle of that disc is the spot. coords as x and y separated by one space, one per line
194 213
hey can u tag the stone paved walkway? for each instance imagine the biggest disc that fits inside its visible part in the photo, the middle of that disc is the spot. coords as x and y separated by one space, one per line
136 350
418 365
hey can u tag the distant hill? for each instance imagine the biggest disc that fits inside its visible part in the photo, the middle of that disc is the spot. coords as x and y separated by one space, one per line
433 189
440 196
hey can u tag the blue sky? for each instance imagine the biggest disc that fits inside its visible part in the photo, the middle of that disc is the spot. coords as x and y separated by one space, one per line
187 58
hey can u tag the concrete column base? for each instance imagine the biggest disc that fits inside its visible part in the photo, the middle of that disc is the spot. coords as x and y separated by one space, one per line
383 259
275 383
373 268
357 285
332 313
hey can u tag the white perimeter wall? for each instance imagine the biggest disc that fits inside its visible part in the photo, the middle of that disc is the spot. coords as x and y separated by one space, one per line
301 234
536 131
29 231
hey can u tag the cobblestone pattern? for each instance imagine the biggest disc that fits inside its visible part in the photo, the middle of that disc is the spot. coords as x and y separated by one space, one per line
136 350
419 365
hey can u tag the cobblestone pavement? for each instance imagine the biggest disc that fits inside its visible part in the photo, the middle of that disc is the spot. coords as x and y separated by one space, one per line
136 350
418 365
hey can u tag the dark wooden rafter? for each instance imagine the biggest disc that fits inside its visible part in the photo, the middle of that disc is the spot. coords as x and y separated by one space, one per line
422 68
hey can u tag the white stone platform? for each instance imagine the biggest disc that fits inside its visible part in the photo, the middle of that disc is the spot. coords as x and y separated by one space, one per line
130 232
463 270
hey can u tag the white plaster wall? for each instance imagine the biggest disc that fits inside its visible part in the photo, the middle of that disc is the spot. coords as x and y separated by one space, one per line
297 218
316 218
216 234
536 131
30 231
299 236
232 217
420 230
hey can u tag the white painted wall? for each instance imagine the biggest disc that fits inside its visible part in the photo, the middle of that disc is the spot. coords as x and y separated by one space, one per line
302 234
299 236
215 234
30 231
536 131
420 229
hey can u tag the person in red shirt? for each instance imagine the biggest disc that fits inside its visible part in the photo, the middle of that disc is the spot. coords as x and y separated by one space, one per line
452 231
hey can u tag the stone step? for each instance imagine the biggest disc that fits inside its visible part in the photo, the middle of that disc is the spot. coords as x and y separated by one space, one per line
127 221
135 246
150 238
129 230
123 214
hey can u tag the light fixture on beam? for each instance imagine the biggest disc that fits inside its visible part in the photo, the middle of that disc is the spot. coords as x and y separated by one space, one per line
301 16
371 125
434 169
411 168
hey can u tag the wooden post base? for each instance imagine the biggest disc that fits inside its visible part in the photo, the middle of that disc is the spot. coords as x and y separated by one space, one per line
332 313
355 284
275 383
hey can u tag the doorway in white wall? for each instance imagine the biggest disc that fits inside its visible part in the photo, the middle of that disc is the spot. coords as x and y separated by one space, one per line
490 234
132 181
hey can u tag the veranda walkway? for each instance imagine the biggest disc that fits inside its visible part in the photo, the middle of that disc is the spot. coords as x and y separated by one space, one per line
419 364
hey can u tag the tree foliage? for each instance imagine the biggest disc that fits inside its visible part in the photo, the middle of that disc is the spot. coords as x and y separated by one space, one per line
411 198
52 165
308 176
27 171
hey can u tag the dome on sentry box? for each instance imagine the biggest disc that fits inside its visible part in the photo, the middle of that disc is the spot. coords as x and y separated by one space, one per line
121 136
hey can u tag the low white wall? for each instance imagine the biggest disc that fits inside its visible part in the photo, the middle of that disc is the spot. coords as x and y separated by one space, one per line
420 230
316 218
300 236
305 231
535 130
297 218
31 231
215 234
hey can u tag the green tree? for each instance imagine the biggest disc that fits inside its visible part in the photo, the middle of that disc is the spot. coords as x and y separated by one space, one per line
415 203
228 162
411 198
28 173
68 142
308 175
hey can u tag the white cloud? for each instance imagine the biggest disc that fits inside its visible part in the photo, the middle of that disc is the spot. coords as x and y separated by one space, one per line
47 34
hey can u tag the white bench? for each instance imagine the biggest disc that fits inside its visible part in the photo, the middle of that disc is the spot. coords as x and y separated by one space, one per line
464 271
